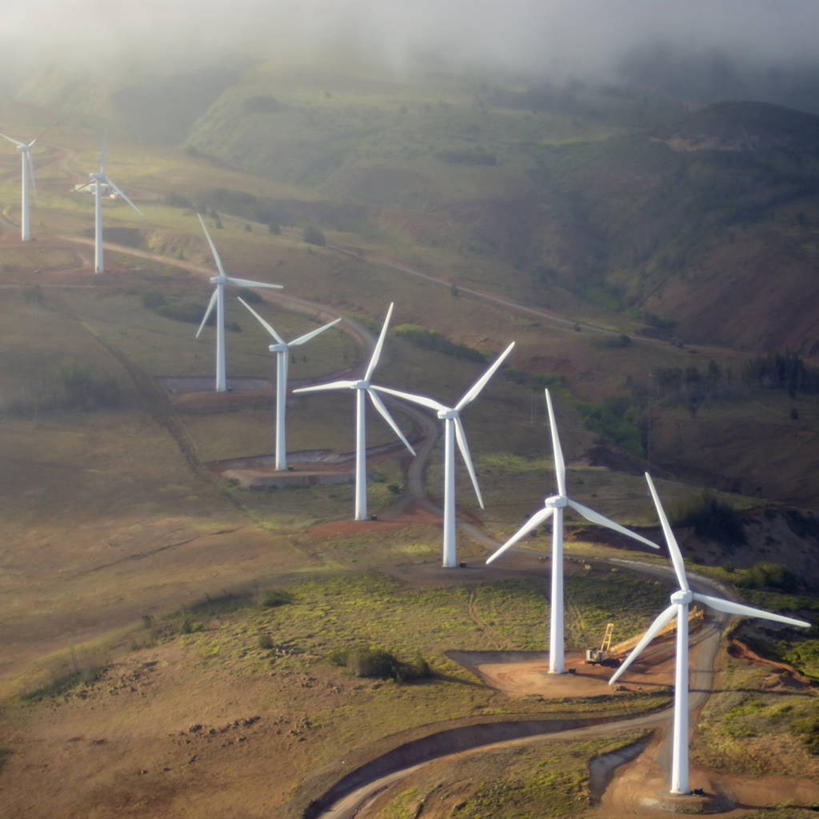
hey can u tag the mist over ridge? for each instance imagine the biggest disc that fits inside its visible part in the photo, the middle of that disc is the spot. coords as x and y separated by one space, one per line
701 51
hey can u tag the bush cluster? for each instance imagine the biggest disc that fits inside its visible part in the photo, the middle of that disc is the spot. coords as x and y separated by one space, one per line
367 661
430 340
713 519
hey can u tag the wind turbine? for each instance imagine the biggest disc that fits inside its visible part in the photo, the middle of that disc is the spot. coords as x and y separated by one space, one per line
553 507
454 430
101 180
218 298
362 387
680 601
282 350
29 181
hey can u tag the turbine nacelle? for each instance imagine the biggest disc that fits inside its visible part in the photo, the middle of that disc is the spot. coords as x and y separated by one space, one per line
363 384
448 414
278 348
557 502
682 597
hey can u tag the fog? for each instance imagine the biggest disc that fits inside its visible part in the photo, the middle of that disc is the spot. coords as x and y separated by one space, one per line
517 34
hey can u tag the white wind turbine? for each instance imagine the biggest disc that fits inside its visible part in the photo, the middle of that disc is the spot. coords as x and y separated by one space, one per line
101 180
362 387
553 507
282 350
218 298
29 182
454 431
680 601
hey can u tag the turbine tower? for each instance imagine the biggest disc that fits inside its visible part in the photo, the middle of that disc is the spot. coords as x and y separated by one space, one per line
29 182
364 387
553 507
101 180
218 298
282 351
454 431
680 602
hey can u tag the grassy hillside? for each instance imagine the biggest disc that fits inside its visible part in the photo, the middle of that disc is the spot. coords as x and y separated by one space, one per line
176 642
584 196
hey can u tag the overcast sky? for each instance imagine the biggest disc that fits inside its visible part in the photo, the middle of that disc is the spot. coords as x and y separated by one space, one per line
580 37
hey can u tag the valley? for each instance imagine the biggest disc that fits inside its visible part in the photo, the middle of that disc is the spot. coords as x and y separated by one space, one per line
178 644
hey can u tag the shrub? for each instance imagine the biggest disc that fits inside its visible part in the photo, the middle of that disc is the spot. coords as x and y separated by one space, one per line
808 728
276 597
152 300
768 575
367 661
430 340
265 642
177 200
713 519
618 420
313 236
75 386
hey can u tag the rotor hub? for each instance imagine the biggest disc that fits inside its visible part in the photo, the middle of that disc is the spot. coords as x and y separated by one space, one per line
278 348
558 501
682 598
448 414
362 385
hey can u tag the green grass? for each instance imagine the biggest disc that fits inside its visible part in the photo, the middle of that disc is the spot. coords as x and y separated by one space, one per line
748 728
547 779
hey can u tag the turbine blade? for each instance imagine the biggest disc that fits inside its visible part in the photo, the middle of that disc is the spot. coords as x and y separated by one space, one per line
729 607
331 385
460 437
213 250
379 344
119 192
560 463
312 334
653 630
385 414
13 141
472 393
248 283
268 327
421 400
208 311
673 548
104 150
602 520
541 516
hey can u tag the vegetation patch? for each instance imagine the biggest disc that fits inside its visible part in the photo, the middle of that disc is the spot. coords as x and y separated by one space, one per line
432 340
618 420
276 597
713 519
367 661
63 683
547 779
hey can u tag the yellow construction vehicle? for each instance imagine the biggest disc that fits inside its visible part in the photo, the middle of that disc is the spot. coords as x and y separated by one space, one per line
601 655
613 656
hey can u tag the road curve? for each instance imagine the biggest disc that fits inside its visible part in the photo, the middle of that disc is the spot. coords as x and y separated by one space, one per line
701 681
